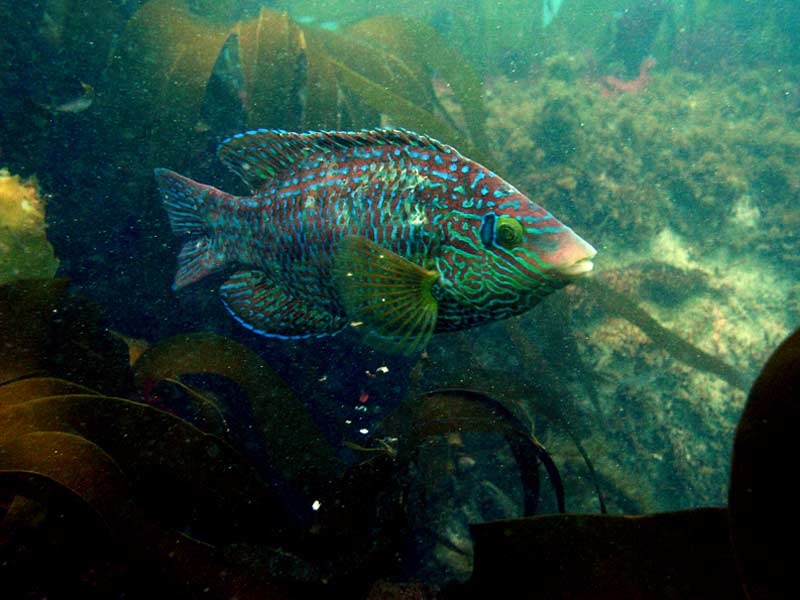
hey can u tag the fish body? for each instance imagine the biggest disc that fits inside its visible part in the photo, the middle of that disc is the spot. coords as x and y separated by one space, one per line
385 227
75 104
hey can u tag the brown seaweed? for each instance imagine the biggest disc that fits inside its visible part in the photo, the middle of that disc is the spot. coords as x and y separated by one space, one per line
764 448
185 506
619 304
294 445
454 411
45 331
684 554
158 78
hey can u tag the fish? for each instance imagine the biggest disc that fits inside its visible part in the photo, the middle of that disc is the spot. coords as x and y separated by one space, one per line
385 228
76 104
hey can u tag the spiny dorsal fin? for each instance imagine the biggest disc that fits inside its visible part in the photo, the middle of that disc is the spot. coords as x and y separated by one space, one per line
257 156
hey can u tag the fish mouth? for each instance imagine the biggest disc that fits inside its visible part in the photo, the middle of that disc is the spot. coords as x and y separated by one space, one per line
576 269
580 267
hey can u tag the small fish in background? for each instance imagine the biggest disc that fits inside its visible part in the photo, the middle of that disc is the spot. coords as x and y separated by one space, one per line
79 102
386 228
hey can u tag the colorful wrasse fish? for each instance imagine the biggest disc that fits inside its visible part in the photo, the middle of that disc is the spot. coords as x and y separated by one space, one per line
385 227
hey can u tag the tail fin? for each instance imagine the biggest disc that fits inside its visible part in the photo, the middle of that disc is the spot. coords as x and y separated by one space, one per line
188 204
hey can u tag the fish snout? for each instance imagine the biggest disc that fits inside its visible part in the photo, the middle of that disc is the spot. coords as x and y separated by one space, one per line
573 259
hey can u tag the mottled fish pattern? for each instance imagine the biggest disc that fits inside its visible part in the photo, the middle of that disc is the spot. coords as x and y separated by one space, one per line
385 227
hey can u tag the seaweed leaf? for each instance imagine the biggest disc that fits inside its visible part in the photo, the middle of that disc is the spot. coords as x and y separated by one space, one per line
766 438
32 388
172 465
271 48
211 417
682 554
36 464
157 80
403 111
72 462
322 89
390 75
419 44
158 76
453 411
45 331
677 347
295 446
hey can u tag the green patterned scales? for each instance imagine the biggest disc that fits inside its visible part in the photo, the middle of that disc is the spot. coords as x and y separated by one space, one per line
385 228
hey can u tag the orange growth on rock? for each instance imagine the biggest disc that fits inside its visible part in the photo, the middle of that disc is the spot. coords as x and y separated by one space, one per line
612 86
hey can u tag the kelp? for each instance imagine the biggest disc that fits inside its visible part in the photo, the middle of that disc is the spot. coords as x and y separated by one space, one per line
294 445
430 54
549 368
272 54
684 554
210 479
157 82
46 331
456 411
22 390
179 506
70 461
765 444
147 476
543 390
146 495
159 75
619 304
742 551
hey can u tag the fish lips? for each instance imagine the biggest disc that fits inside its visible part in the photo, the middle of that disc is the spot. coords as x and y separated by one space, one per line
574 257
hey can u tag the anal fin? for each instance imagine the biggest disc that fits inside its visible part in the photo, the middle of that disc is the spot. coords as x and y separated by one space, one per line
259 305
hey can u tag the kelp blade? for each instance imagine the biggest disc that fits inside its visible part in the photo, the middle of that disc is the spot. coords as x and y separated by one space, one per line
454 411
419 44
33 388
398 92
157 81
173 467
619 304
684 554
763 529
47 331
40 464
295 446
271 51
70 461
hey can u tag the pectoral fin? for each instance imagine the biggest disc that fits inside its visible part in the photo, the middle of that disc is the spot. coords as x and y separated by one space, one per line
390 294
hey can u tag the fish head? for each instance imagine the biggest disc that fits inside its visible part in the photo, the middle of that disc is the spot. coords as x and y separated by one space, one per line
511 255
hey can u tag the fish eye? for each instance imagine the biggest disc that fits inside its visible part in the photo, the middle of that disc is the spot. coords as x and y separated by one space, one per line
508 232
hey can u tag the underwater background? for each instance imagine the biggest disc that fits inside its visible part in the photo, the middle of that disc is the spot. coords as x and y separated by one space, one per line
666 133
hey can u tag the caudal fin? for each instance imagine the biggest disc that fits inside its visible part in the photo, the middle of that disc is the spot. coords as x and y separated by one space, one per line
188 204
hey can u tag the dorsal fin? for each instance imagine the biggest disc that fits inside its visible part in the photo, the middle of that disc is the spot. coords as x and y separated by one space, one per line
257 156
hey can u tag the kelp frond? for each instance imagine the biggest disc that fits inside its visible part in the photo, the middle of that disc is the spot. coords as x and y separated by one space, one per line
294 77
